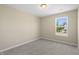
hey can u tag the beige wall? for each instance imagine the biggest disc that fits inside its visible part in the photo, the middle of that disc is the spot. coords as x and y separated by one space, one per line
48 27
16 27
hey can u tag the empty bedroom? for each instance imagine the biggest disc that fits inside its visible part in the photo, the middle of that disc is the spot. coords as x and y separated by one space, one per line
39 29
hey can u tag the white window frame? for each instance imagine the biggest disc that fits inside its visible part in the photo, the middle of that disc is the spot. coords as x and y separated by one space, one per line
61 34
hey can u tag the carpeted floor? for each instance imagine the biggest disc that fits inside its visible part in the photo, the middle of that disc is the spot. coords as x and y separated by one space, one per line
43 47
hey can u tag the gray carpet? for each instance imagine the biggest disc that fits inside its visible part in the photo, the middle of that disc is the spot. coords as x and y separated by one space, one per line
43 47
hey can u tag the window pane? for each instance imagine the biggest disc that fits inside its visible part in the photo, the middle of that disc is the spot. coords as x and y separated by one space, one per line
62 25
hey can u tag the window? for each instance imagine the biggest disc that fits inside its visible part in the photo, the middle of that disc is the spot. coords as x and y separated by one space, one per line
61 26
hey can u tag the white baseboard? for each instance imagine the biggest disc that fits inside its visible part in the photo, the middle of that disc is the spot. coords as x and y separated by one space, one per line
72 44
1 51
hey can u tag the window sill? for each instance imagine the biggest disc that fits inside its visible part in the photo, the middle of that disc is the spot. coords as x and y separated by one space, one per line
62 34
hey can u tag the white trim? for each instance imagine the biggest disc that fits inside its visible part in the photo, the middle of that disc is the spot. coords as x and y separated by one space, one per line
31 40
60 34
72 44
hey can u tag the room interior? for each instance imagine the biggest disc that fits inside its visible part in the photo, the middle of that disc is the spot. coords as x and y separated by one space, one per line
35 29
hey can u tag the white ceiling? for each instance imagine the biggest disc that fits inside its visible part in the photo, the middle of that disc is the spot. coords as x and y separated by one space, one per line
37 11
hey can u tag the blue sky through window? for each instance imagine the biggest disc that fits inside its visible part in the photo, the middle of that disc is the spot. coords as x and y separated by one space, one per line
61 21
